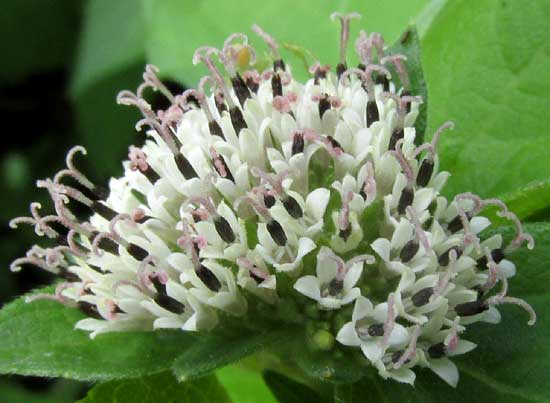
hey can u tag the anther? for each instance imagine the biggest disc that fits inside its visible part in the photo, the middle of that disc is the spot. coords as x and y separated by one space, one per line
344 37
277 232
496 254
335 287
443 259
471 308
292 207
138 161
422 297
224 230
409 251
220 165
438 350
89 310
376 330
208 278
297 142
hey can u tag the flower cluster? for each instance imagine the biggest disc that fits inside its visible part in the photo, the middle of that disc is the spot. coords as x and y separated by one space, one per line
258 177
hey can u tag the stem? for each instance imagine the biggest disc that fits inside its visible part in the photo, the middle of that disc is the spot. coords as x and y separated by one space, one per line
343 393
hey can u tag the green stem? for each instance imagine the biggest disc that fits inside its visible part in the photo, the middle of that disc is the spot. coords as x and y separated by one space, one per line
343 393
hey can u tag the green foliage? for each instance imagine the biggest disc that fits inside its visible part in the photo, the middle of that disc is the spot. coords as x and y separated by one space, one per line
489 73
39 339
409 45
244 385
177 28
215 351
159 388
288 391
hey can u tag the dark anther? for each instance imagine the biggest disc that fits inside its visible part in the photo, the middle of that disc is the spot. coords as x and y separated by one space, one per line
372 113
324 105
340 69
407 93
108 245
397 135
159 287
224 229
255 277
376 330
438 350
443 259
151 174
269 200
100 192
455 224
279 65
292 207
277 232
319 74
383 80
345 233
89 310
215 129
103 210
170 304
208 278
409 250
220 105
228 174
298 143
237 119
471 308
67 275
240 88
334 143
425 172
137 252
335 287
276 85
252 85
496 254
395 357
406 199
184 166
422 297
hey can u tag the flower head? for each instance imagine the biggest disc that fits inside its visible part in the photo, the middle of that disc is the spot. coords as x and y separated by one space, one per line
264 189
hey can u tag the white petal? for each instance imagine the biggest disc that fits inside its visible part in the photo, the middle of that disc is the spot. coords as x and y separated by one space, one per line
309 286
316 203
371 349
382 247
446 370
348 336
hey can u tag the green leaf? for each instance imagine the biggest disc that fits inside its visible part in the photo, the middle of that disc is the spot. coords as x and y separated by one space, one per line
112 40
525 202
512 361
490 73
288 391
159 388
176 28
214 351
38 36
409 45
39 339
244 385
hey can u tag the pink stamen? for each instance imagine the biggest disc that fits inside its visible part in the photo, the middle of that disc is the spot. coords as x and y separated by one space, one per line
363 47
345 20
40 227
118 218
390 320
343 218
405 165
445 280
104 235
494 272
498 300
410 352
144 272
397 61
419 231
58 297
252 268
257 204
281 104
138 159
268 39
377 40
432 146
151 80
521 236
252 75
370 183
204 55
72 171
218 163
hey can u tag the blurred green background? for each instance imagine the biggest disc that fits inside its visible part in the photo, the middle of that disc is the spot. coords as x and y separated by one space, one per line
63 62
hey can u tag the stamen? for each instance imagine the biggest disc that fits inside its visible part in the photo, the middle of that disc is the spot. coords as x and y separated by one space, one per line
138 161
432 146
151 80
498 300
390 320
252 79
40 227
333 147
445 280
57 297
257 274
369 187
278 63
397 61
419 231
344 37
204 55
410 352
297 142
363 47
72 171
521 236
343 218
221 165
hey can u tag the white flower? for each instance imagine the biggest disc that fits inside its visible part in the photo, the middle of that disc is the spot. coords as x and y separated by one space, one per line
248 195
